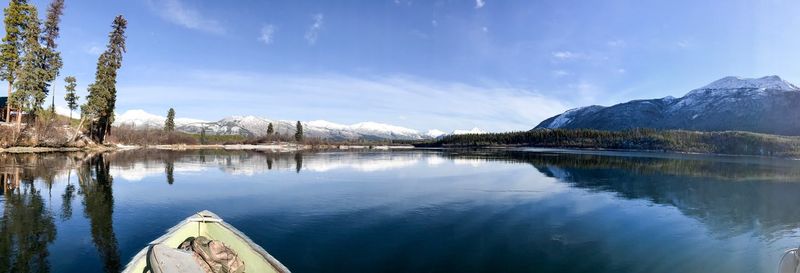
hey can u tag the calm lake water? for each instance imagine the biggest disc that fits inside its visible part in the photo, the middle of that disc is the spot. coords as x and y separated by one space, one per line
410 211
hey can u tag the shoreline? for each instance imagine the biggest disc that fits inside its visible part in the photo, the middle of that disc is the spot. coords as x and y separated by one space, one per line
34 150
292 148
604 151
270 147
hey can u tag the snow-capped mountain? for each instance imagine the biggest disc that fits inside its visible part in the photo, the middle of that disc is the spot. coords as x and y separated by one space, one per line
140 118
767 105
257 126
435 133
769 82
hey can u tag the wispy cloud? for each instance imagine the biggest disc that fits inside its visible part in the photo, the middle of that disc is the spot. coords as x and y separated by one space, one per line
424 103
313 31
94 49
683 44
479 3
267 32
566 55
178 13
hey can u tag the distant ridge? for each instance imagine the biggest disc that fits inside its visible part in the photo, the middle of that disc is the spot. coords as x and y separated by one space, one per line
764 105
256 126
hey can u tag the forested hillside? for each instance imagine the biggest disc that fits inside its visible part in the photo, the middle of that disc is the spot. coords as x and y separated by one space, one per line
729 142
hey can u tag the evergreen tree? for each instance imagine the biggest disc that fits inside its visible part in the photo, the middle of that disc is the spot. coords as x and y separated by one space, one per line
11 49
32 75
169 124
70 96
50 32
270 129
100 104
51 29
298 134
203 136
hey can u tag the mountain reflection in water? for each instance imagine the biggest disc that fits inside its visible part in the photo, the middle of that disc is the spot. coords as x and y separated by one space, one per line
731 199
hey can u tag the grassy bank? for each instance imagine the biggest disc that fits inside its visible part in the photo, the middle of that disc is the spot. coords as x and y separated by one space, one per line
731 142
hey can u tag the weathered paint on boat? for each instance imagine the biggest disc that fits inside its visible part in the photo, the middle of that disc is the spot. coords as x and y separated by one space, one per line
206 223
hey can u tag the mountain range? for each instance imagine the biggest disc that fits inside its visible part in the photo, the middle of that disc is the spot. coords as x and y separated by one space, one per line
764 105
253 126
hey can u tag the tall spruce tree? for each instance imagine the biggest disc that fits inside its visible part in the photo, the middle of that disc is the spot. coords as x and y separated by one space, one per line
70 96
50 33
270 129
100 104
32 75
169 124
11 49
298 134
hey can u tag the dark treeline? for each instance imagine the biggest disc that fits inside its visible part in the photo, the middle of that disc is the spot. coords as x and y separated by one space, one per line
729 142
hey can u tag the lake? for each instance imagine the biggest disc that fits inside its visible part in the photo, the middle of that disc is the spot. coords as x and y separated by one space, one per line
409 211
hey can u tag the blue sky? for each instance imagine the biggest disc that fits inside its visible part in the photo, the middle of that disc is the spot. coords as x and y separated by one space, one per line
497 65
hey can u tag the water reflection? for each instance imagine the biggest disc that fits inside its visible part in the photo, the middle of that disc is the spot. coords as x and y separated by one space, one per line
169 169
27 229
732 196
98 205
728 197
66 201
701 187
298 162
137 165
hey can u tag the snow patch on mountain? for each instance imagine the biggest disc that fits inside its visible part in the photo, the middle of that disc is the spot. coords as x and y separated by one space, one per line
327 124
64 111
380 127
564 118
769 82
475 130
139 118
435 133
568 116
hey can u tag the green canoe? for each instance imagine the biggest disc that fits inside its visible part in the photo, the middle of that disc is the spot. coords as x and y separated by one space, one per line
208 224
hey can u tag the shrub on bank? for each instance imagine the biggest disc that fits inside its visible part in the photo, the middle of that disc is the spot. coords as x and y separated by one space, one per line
146 136
46 130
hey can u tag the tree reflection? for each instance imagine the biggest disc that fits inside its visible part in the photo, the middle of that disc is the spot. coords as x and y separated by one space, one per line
26 230
169 169
66 202
298 162
98 205
730 196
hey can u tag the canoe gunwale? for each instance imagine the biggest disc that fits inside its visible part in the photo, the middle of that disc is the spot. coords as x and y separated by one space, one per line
206 216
